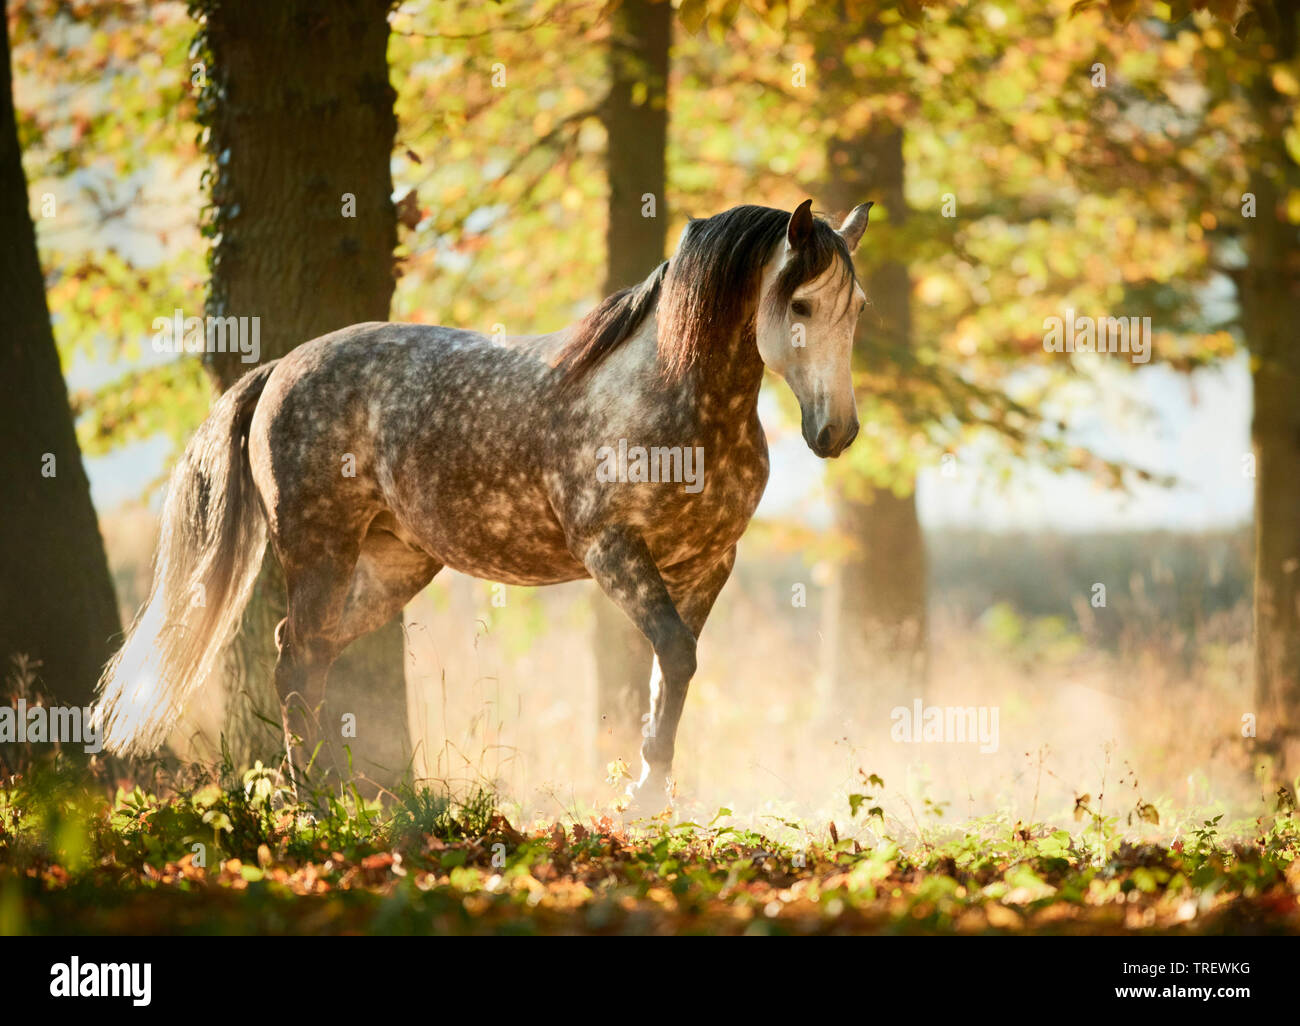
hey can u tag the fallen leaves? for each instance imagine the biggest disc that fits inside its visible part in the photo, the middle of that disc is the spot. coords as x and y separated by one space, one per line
476 872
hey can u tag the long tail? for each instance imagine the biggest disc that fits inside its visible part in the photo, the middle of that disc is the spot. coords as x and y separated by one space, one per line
209 553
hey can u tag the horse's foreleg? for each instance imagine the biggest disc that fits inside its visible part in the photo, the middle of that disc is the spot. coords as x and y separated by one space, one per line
624 660
693 596
620 562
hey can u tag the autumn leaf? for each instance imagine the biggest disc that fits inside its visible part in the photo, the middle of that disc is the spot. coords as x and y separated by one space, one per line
408 211
617 771
1081 806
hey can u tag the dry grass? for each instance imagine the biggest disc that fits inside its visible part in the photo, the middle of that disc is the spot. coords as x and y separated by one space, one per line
1138 702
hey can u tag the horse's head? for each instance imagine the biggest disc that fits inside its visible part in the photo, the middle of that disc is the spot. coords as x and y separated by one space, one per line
807 313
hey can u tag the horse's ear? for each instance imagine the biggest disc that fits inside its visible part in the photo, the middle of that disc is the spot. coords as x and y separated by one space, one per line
854 225
800 228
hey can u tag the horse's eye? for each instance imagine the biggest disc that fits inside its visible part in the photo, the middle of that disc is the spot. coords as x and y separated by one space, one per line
801 308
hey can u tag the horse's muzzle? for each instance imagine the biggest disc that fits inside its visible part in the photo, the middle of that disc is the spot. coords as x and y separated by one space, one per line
833 439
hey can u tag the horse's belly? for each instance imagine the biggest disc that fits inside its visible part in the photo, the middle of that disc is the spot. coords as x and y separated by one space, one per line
497 538
515 565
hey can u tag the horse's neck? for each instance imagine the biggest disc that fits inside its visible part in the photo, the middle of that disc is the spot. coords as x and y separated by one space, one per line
726 388
722 392
720 396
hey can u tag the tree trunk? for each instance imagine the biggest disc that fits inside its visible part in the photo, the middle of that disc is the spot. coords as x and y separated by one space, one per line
56 595
636 125
1269 289
881 617
1275 433
302 128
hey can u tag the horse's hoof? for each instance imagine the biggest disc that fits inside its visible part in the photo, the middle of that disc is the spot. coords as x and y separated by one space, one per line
641 807
647 800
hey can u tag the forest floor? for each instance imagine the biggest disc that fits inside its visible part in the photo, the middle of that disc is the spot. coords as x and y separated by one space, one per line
233 857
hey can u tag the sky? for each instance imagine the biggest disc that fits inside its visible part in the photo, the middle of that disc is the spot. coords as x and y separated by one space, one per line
1193 428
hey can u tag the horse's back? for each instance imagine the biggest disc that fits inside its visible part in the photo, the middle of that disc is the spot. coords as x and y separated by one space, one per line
394 368
436 426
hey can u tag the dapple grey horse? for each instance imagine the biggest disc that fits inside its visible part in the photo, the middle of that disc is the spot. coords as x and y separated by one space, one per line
377 455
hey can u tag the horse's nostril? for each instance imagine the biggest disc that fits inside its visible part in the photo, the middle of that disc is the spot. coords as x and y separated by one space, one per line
823 439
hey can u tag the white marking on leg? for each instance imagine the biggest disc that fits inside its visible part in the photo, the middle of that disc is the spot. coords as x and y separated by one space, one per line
647 728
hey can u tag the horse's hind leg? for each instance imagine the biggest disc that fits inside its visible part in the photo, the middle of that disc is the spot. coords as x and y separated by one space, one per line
388 574
307 639
328 610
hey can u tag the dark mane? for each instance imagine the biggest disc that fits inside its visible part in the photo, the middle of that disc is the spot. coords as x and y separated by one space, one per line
615 319
706 294
713 281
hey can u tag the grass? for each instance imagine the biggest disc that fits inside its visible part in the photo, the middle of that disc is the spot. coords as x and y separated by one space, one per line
778 828
235 856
